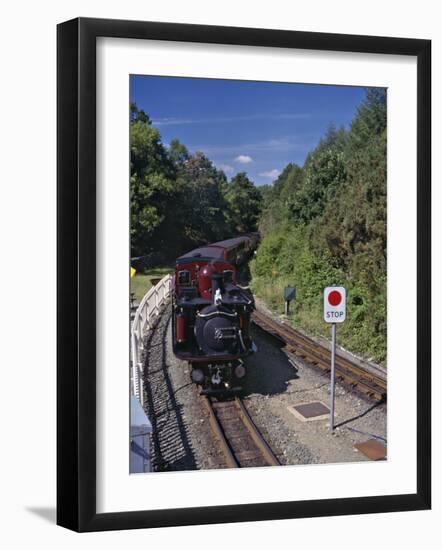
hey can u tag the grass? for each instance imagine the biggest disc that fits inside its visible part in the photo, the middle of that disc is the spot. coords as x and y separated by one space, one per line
141 282
271 291
307 314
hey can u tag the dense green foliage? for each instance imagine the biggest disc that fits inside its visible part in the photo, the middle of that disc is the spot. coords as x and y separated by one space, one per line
181 200
325 223
321 224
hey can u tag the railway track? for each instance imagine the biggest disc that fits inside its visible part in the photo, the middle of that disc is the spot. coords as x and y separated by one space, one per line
370 382
242 444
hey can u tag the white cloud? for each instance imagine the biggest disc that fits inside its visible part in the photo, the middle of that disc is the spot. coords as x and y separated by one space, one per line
226 168
175 121
272 174
243 159
172 121
286 144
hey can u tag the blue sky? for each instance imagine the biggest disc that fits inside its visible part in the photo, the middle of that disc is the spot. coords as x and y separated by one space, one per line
255 127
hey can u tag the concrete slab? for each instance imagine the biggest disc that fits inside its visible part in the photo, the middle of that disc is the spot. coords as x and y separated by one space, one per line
313 410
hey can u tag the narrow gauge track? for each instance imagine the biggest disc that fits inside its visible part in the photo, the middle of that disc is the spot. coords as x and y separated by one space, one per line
242 444
367 381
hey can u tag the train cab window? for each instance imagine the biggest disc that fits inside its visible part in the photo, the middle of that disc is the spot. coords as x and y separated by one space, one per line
228 276
231 256
184 277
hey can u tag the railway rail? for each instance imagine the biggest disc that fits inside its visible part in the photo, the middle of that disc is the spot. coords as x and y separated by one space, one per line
242 444
369 381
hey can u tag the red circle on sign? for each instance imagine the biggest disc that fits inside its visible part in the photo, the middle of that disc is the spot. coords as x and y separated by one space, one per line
334 298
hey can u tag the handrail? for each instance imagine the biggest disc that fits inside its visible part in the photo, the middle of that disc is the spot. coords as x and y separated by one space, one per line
148 309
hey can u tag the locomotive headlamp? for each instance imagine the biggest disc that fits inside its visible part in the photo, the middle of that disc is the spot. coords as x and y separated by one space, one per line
197 376
240 371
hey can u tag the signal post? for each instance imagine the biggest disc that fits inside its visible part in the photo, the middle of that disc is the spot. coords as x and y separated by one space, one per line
334 312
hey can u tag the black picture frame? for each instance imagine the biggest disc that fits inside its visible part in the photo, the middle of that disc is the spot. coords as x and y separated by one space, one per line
76 273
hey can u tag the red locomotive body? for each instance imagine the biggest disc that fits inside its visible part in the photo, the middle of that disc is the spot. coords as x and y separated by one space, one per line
211 313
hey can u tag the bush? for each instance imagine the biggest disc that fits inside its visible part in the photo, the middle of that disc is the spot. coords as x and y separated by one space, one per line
285 259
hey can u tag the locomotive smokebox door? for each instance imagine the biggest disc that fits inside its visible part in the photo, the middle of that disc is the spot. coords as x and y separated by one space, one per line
216 331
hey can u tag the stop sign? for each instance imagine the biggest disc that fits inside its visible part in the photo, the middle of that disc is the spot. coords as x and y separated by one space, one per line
334 304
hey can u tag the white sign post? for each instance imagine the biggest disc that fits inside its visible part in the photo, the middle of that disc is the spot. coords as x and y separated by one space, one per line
334 312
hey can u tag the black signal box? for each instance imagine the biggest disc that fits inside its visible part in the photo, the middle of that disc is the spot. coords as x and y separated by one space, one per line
289 293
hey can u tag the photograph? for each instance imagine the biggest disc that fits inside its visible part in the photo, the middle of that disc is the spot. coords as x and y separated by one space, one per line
219 216
258 274
243 273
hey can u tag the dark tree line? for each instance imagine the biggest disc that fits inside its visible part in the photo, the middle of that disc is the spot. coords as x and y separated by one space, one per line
181 200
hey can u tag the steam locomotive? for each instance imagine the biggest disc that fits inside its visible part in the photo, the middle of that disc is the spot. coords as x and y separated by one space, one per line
211 313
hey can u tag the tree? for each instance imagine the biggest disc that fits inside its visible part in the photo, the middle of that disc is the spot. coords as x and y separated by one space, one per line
244 203
152 187
178 152
177 199
324 174
354 225
202 204
370 121
277 199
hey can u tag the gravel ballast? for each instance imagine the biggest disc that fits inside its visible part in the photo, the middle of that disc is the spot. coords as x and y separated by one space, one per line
183 439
